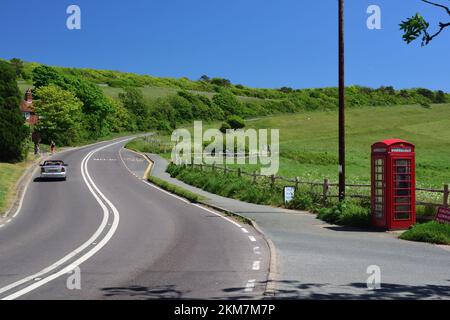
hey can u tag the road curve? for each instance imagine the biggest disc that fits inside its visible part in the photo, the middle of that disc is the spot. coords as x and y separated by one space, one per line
126 239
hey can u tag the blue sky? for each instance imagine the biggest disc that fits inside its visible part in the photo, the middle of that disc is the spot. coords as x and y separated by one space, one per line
260 43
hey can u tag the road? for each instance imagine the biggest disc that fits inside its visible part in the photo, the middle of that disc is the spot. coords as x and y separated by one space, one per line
316 260
125 238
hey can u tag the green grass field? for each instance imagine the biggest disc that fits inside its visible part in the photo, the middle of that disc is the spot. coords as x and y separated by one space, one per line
309 145
152 92
308 141
9 175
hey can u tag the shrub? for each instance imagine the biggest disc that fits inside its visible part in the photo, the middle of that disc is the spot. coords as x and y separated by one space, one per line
224 127
301 201
346 213
236 122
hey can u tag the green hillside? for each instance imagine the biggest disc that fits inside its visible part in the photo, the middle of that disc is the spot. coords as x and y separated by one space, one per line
309 144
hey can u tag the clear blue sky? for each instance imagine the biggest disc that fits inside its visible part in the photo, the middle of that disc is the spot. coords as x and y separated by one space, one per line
260 43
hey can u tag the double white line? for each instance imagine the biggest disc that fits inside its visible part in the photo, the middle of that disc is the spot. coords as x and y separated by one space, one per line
52 272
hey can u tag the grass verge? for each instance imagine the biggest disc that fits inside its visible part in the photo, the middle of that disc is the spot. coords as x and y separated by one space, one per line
432 232
351 213
193 197
10 173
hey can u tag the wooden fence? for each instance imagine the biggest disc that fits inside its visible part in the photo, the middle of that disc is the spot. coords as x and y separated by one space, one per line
324 189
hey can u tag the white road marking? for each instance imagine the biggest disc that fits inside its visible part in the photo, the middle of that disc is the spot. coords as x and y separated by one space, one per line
91 186
219 215
256 264
166 192
250 285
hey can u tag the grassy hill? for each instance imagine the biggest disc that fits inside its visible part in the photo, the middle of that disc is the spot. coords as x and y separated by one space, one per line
309 144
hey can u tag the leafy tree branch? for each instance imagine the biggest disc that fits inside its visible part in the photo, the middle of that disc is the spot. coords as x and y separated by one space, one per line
417 26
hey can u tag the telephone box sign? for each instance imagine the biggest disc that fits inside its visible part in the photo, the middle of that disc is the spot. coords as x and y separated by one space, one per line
393 184
443 215
401 149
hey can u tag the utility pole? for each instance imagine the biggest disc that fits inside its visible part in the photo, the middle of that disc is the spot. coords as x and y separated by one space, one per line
341 103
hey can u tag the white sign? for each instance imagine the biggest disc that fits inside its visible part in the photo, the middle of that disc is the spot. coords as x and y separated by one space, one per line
289 193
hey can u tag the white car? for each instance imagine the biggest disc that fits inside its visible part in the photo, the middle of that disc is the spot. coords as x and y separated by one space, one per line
54 169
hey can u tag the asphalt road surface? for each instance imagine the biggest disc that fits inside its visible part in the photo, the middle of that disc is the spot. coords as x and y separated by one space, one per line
107 234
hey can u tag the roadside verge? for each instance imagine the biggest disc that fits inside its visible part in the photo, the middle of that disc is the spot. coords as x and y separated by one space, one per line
20 188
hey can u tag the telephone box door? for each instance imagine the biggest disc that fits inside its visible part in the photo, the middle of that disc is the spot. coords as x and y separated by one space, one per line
379 191
403 199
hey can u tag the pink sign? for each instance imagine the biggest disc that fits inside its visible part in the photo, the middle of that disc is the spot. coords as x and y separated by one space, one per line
443 215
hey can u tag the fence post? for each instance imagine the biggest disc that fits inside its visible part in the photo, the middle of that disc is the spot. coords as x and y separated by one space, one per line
297 181
201 167
225 169
214 167
239 172
254 177
326 187
272 180
446 195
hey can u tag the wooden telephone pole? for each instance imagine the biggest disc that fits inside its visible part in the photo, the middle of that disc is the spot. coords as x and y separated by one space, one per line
341 103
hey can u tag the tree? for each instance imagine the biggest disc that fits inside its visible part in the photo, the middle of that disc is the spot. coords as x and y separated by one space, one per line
45 75
18 66
228 102
236 122
121 119
286 90
133 99
13 131
96 106
221 82
60 114
417 26
440 97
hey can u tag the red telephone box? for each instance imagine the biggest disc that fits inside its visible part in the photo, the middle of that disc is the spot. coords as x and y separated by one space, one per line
393 184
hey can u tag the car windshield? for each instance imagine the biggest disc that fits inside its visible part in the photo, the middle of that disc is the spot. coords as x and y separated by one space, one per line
54 163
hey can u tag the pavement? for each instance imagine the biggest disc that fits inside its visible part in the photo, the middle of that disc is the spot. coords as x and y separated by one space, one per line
106 233
315 260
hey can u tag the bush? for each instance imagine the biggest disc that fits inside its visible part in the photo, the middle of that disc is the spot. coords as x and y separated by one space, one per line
224 127
301 201
228 102
346 213
236 122
432 232
227 185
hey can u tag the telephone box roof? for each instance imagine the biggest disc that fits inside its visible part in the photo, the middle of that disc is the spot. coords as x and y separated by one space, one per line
390 142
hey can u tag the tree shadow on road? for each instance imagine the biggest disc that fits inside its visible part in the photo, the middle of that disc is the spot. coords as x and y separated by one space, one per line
295 290
144 293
